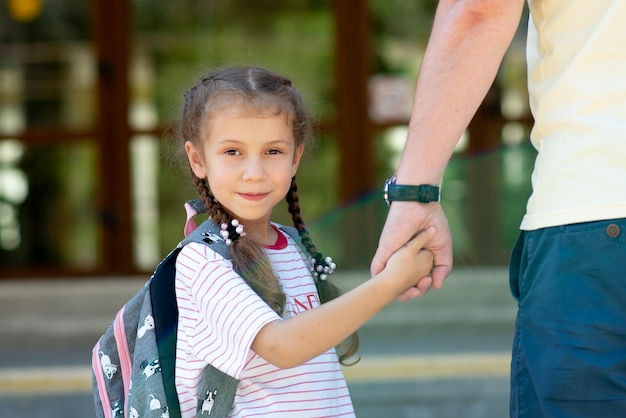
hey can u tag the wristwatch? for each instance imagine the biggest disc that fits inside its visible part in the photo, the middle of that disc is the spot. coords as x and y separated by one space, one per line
424 193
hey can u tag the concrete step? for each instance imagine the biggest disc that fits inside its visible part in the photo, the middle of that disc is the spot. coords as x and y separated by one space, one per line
83 308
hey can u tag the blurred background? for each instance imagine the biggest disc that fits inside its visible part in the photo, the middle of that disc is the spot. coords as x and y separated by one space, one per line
91 186
87 89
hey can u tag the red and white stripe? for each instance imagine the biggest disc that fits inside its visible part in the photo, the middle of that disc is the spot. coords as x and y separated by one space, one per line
219 317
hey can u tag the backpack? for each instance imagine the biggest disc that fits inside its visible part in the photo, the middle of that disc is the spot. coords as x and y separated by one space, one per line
133 363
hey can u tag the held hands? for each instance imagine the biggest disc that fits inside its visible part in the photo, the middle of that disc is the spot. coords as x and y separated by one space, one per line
411 265
402 220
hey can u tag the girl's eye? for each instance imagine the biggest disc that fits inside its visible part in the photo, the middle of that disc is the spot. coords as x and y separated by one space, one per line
274 152
232 152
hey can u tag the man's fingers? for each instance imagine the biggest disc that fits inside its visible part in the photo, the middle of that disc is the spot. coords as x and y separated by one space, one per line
439 274
420 289
425 284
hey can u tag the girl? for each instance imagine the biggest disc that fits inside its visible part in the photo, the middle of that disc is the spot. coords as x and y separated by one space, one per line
266 318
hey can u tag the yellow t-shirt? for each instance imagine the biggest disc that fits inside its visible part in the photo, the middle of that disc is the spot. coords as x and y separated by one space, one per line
576 55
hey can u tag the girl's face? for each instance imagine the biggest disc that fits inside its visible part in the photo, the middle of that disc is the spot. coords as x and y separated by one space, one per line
248 159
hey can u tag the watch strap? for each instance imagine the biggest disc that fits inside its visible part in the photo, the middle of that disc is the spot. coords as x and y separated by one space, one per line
424 193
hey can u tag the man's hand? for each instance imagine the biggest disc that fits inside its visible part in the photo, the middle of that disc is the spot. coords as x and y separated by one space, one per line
403 220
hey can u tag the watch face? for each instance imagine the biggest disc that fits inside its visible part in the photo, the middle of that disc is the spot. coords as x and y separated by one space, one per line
391 180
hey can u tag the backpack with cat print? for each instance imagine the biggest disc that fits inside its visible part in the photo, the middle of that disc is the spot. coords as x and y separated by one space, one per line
133 363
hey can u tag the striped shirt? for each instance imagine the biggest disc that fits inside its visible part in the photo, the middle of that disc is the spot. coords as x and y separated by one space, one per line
219 317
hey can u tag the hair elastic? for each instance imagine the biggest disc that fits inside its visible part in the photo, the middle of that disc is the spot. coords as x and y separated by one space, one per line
322 267
231 231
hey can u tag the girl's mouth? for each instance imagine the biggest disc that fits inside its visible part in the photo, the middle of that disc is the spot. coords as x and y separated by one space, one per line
254 197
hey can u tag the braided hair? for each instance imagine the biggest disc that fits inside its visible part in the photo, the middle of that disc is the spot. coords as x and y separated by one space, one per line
256 88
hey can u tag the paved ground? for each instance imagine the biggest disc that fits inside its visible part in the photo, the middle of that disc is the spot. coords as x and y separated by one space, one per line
444 355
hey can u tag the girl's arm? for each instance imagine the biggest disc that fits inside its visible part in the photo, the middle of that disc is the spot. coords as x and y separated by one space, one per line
292 342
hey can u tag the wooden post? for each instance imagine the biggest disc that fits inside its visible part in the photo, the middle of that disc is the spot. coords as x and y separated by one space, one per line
353 64
111 37
356 167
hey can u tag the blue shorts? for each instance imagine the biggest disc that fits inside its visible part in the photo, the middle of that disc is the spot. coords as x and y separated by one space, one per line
569 350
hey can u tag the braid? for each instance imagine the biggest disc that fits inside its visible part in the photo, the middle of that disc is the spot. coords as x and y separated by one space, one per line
326 290
249 259
293 202
207 197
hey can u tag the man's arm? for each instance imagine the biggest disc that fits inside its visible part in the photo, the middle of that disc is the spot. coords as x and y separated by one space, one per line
466 46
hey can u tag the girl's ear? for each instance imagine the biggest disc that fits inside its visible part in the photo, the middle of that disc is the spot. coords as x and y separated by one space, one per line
297 155
195 160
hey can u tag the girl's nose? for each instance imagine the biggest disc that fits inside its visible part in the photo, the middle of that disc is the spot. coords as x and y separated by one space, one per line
254 170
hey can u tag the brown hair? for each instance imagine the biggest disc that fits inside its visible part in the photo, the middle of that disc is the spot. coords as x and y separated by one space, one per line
255 88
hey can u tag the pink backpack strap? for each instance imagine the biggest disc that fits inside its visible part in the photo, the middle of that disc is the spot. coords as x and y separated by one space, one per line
100 381
190 224
193 207
119 329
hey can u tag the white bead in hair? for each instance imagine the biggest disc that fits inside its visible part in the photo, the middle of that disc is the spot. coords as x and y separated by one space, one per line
231 232
322 267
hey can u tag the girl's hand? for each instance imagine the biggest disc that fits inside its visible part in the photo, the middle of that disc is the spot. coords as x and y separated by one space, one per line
411 264
405 217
